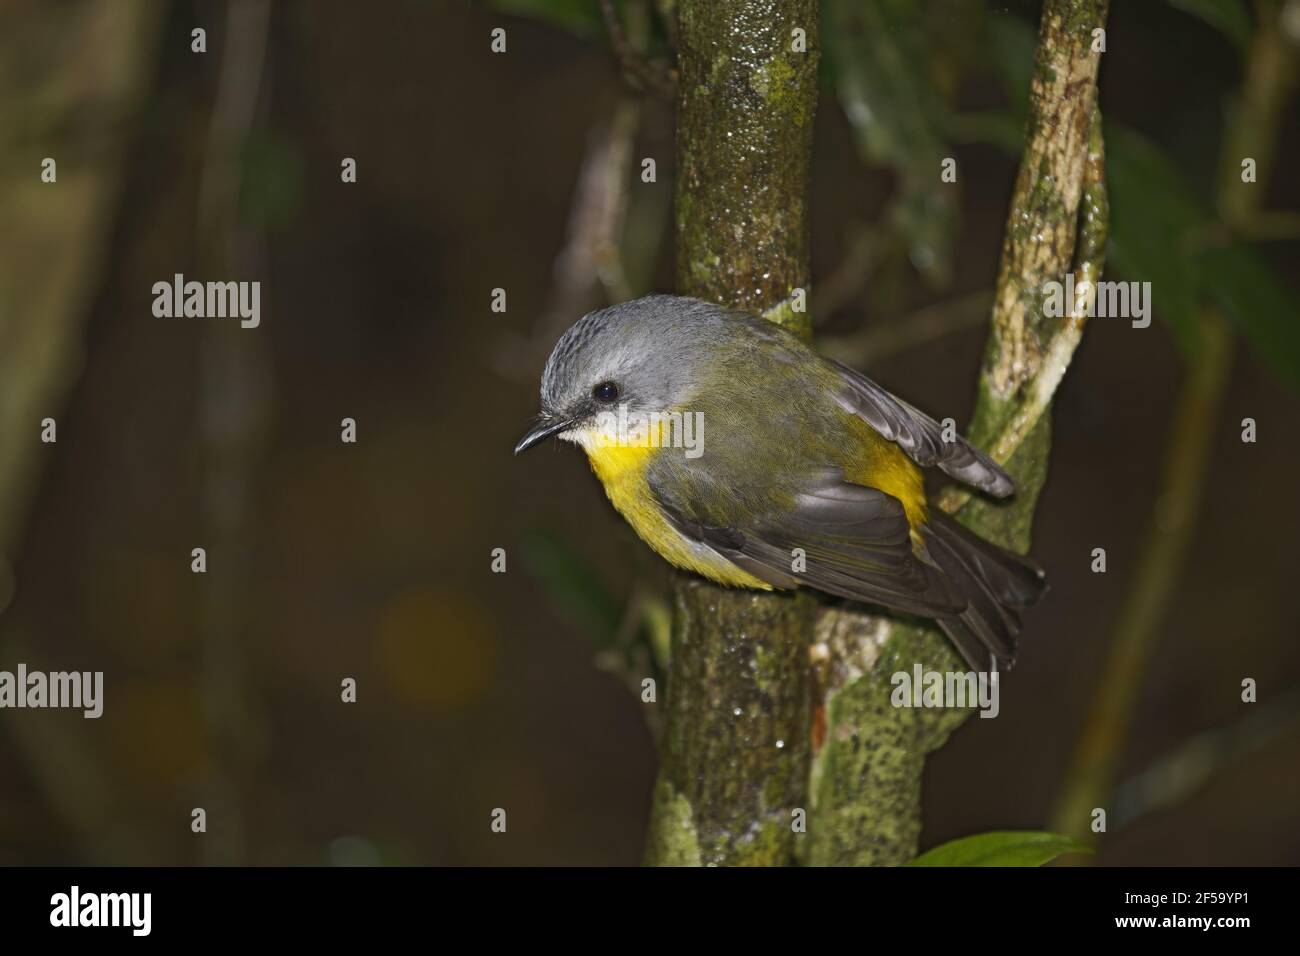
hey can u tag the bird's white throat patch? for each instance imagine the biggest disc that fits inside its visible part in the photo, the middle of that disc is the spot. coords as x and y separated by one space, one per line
622 428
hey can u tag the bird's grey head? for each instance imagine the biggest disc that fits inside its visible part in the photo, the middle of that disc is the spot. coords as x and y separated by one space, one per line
644 355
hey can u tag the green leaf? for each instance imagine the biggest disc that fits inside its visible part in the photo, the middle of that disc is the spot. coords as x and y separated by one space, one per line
1001 848
1010 42
1159 233
1153 220
879 55
271 178
1229 17
1011 50
1267 312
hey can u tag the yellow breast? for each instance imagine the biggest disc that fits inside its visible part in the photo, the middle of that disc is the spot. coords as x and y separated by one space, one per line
621 470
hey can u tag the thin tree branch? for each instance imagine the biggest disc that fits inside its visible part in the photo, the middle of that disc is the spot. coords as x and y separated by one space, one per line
869 755
655 76
851 275
1192 765
1057 354
233 417
919 328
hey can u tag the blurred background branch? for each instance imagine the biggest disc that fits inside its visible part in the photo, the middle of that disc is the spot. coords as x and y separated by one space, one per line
233 421
52 254
874 343
1089 783
1182 773
89 66
655 76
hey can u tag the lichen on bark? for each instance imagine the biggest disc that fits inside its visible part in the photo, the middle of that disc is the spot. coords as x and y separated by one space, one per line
745 107
735 748
735 755
866 800
751 671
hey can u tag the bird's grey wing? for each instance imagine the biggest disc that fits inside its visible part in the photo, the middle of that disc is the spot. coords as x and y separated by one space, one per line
919 435
856 544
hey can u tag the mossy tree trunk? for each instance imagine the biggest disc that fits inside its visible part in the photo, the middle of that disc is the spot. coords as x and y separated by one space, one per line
866 787
736 752
776 705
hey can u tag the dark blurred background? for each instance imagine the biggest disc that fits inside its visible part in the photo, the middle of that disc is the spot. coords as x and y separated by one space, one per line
327 560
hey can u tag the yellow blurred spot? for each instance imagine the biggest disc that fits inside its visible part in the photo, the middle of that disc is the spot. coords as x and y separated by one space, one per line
157 732
435 649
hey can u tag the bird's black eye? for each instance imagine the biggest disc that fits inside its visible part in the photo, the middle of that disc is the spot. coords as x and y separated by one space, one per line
606 392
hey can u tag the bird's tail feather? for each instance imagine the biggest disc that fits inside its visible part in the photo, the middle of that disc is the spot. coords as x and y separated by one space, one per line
997 584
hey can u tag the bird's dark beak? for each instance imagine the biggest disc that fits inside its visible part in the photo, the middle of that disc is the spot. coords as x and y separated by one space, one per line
544 429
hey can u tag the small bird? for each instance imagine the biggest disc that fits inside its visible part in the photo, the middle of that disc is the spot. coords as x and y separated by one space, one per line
737 452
